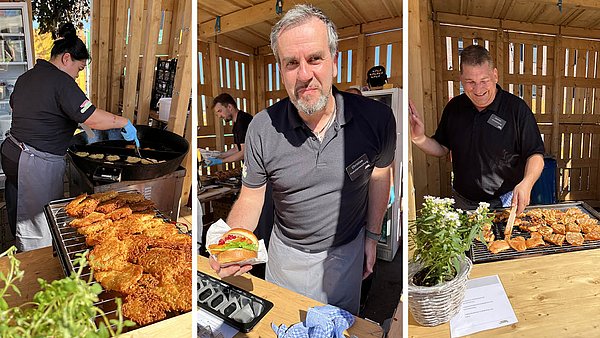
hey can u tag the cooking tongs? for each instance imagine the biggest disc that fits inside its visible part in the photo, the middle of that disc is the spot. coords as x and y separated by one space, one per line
511 222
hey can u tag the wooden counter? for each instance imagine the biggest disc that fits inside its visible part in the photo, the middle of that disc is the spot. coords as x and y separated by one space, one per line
553 296
288 307
41 264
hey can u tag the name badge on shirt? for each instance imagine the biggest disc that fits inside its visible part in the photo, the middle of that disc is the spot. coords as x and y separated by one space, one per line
496 122
358 167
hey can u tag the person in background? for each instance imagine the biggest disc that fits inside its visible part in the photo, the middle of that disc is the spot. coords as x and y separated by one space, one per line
497 149
47 105
354 90
327 155
226 108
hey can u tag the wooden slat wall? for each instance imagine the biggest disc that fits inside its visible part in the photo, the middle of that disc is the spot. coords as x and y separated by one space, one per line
557 77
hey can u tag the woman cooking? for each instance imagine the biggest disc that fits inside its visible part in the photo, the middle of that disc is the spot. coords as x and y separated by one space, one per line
47 105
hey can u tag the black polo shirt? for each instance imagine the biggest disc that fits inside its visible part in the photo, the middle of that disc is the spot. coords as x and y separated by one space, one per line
317 205
489 148
240 126
47 104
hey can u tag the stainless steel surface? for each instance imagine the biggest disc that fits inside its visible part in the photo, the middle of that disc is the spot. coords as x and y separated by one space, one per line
480 254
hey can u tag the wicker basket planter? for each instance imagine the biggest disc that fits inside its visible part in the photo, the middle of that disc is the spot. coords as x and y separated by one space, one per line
431 306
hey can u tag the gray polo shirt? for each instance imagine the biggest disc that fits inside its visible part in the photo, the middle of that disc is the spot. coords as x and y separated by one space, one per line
317 204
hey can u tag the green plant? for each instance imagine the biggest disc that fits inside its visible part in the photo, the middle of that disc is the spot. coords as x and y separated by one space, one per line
50 14
440 237
62 308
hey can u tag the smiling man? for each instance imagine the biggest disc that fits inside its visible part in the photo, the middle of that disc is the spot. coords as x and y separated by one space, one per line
327 155
497 149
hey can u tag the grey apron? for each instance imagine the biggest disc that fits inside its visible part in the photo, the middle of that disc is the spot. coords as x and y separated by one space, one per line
331 277
40 181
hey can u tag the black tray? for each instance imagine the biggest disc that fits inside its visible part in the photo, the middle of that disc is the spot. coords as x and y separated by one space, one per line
231 303
480 254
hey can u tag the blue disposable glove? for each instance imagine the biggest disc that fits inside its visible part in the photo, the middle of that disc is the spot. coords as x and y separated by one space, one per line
210 161
130 133
392 196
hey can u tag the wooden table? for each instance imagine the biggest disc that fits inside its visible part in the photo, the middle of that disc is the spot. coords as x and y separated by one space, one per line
553 296
41 263
288 307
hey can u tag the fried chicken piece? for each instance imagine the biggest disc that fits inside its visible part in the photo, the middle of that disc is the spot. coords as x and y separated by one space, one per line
120 280
573 211
159 261
83 209
574 238
518 243
93 217
501 216
104 196
572 227
558 228
526 226
102 235
535 240
557 239
144 307
111 254
589 227
176 290
119 213
143 205
95 227
592 236
498 246
75 202
160 229
109 206
545 230
131 197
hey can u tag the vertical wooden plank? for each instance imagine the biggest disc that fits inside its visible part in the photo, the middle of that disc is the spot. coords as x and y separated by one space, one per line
165 47
133 59
176 28
182 88
251 84
455 56
344 70
557 94
214 69
260 83
103 42
120 28
397 61
95 49
152 26
360 57
500 57
187 161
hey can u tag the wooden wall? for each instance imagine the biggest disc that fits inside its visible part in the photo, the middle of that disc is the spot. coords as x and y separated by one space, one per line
555 73
122 84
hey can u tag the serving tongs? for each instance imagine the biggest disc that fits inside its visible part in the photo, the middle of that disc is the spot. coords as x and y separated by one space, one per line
511 222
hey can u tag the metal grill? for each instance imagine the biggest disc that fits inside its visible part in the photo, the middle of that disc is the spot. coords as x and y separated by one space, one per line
480 254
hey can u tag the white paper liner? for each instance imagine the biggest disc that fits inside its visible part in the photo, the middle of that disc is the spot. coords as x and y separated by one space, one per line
218 228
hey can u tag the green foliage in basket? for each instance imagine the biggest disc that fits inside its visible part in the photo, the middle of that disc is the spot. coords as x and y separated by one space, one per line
62 308
441 235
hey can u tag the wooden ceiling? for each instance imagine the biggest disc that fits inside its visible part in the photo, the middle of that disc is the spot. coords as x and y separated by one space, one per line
575 13
247 23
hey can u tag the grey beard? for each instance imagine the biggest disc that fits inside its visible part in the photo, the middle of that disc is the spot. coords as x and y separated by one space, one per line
309 109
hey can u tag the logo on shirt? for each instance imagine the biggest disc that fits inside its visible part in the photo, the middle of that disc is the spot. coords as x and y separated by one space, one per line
84 106
244 170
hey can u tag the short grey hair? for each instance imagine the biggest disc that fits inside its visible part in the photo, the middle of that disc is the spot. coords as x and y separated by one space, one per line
299 15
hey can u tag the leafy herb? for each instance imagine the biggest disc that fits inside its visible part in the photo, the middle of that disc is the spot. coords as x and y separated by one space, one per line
440 237
62 308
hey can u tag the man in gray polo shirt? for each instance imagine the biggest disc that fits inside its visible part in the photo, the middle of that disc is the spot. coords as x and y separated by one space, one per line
327 155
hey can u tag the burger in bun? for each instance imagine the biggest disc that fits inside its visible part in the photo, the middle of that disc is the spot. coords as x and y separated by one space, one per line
235 245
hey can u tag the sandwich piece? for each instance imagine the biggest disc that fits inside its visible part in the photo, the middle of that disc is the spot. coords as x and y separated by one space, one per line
498 246
518 243
574 238
235 245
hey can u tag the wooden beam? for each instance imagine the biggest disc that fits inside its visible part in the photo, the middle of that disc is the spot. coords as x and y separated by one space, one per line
182 88
188 164
153 14
361 59
231 43
261 83
216 89
94 47
176 25
557 96
251 84
118 55
133 58
103 53
569 4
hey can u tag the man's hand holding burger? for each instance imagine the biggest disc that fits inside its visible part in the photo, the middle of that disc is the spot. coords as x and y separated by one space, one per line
236 245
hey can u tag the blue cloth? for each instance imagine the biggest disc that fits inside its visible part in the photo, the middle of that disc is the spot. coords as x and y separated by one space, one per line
210 161
326 321
130 133
392 196
507 199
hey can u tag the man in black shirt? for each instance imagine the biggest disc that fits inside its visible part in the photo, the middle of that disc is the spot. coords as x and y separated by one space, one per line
226 108
497 149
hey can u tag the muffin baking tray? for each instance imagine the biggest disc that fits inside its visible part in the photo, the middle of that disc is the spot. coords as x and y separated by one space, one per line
238 308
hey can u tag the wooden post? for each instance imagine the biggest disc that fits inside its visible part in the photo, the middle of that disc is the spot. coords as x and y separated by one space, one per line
187 161
133 59
95 50
179 15
361 57
558 102
213 49
499 59
153 14
260 84
120 28
183 76
103 43
252 85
